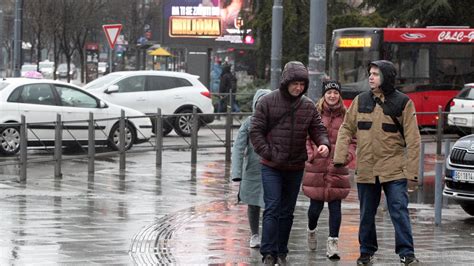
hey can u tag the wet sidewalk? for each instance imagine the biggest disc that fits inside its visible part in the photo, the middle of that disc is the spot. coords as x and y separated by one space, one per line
183 216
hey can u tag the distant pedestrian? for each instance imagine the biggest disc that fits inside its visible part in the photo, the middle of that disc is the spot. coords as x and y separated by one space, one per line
228 84
388 147
281 122
322 182
246 169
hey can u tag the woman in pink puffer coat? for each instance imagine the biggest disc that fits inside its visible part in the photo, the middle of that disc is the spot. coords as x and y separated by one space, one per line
322 182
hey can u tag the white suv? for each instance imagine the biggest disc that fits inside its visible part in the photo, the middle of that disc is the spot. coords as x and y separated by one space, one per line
146 91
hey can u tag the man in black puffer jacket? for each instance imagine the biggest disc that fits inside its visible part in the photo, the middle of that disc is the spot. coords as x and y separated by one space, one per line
282 121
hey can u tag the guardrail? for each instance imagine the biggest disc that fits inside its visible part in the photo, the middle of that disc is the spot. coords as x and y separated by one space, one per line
61 126
193 145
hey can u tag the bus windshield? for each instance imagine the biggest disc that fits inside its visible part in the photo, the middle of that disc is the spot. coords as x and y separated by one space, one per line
350 67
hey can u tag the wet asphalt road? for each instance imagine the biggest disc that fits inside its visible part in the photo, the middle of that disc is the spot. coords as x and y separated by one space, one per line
181 215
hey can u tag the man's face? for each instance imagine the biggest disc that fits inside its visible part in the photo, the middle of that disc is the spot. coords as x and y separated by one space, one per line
295 88
375 79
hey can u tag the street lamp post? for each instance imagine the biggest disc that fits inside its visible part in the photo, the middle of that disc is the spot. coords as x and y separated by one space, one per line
17 35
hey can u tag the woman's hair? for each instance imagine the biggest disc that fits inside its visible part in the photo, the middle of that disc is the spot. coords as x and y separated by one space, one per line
341 108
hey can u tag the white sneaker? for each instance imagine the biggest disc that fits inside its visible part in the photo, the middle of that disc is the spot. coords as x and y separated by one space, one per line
332 248
312 239
255 241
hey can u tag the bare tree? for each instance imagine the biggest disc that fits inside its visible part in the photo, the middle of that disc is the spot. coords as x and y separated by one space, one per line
89 12
7 40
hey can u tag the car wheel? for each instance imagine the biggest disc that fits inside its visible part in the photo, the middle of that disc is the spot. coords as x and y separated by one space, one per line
9 140
114 136
167 128
468 208
183 123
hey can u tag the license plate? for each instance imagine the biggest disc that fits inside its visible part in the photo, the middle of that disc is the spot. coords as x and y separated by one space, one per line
463 176
460 121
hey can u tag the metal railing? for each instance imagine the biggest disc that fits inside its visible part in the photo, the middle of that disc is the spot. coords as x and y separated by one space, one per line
193 145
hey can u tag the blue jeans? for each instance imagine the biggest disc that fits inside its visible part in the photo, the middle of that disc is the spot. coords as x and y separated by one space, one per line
280 191
397 202
315 208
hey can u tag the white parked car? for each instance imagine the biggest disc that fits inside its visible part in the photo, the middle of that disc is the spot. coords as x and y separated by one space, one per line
146 91
46 68
28 68
41 100
463 102
102 68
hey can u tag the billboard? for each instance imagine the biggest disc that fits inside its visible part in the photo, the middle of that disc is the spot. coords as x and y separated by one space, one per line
210 23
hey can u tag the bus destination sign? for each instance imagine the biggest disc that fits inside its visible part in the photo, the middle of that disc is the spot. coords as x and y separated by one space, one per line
355 42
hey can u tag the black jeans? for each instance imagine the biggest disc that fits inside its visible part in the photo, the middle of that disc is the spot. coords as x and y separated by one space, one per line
315 208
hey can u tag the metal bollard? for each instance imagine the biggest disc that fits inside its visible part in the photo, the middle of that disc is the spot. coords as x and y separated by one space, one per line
228 129
122 140
91 145
439 170
23 149
58 147
158 137
421 168
194 136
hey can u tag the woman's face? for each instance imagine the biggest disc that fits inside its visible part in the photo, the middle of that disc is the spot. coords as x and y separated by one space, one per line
331 97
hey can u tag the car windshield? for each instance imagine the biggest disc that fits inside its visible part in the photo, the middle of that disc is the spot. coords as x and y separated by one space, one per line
28 67
63 67
467 93
102 81
46 65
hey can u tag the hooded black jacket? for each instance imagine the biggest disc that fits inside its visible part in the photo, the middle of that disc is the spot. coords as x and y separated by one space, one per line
283 145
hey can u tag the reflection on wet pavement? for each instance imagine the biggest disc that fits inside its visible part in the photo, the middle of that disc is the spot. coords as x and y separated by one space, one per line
180 215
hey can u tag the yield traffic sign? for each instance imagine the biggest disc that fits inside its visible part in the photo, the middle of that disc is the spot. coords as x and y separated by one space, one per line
112 32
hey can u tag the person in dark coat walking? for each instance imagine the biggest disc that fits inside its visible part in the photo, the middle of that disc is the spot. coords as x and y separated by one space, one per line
322 182
282 121
227 85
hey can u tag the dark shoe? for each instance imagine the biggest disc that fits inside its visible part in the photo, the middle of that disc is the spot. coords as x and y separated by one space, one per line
269 260
365 259
409 260
282 259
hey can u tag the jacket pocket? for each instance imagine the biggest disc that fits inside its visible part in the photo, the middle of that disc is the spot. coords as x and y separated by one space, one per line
364 125
389 128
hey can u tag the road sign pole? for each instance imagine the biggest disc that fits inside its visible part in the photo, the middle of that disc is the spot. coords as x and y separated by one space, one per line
112 31
111 69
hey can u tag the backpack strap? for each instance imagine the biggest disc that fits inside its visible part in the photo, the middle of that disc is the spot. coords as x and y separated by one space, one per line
395 120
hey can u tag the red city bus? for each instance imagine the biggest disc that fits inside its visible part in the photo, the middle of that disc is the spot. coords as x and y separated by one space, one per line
432 63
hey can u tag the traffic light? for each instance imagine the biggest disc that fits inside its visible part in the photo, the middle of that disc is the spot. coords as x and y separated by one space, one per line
249 39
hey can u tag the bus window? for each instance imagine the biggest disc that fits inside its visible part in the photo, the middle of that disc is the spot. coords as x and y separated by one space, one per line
454 65
412 62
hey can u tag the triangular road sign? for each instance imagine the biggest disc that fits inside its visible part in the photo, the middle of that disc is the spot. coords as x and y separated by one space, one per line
112 32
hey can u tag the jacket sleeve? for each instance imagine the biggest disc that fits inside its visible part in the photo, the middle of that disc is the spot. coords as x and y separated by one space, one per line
412 140
351 153
310 149
241 143
318 132
258 130
346 133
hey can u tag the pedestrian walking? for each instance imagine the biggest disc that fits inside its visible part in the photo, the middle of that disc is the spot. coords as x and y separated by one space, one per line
227 86
322 182
388 147
281 122
246 169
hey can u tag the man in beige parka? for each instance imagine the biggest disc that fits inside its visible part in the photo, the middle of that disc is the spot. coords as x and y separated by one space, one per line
381 159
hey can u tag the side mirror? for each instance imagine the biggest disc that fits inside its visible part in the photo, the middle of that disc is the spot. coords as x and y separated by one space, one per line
102 104
112 89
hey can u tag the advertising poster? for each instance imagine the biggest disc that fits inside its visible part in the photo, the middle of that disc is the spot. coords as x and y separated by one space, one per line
211 23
